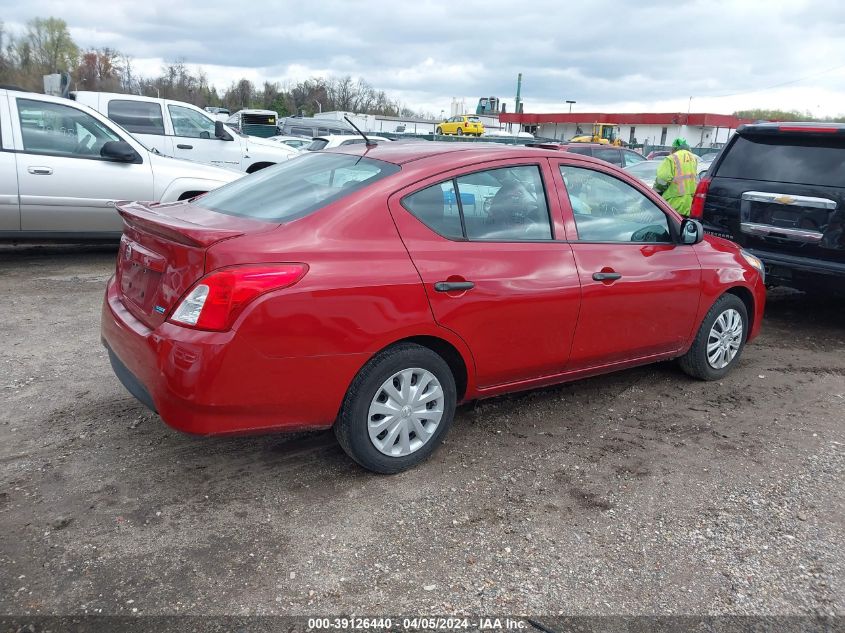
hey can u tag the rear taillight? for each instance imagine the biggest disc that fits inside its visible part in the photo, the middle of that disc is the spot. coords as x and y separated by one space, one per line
697 209
216 300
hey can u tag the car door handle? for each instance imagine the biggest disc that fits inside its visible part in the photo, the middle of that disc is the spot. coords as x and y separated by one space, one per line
40 171
453 286
606 276
183 146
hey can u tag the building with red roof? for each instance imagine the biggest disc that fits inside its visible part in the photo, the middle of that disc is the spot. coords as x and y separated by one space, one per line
651 128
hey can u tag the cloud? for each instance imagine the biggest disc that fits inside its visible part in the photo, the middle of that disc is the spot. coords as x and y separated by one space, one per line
603 54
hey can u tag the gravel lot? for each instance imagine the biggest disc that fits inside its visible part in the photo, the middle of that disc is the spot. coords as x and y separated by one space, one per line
641 492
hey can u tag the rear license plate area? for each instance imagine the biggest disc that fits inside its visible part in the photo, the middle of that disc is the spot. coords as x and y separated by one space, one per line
138 284
786 217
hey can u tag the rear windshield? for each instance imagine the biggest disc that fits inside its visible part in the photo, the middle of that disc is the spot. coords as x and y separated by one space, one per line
297 187
317 144
815 161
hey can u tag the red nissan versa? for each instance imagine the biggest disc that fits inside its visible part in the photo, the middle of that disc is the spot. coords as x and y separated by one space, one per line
373 288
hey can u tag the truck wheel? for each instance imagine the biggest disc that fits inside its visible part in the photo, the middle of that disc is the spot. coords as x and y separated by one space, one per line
398 409
720 340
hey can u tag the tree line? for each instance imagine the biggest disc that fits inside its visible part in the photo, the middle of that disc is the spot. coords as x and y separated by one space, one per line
46 47
761 114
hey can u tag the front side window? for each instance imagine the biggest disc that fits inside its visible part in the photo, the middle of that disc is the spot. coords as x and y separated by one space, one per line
189 123
52 128
141 117
609 210
506 205
297 187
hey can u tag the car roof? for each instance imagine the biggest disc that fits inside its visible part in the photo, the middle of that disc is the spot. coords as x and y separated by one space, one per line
400 153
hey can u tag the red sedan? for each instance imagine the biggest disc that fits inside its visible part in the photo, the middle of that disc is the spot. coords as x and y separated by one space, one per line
373 289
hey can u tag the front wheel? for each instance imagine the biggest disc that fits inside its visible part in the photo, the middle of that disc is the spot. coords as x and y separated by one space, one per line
720 340
398 409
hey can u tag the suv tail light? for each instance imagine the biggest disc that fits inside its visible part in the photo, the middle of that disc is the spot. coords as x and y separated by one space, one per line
697 209
216 300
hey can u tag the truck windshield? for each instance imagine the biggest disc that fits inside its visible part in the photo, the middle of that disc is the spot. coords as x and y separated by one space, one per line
297 187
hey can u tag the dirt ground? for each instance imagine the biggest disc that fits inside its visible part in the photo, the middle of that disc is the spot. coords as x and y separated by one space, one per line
636 493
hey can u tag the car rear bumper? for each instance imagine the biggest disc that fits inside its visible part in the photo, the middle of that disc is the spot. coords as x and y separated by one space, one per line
213 383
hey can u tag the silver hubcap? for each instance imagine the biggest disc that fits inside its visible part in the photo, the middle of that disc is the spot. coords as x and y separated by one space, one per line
724 339
405 412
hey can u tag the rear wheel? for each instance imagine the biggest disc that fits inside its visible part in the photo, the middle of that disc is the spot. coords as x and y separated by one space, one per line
720 340
398 409
439 130
460 132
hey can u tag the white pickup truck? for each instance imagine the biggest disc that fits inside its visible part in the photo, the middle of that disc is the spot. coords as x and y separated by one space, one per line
179 129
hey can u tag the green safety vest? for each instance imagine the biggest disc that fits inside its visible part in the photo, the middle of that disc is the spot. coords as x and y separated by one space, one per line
676 180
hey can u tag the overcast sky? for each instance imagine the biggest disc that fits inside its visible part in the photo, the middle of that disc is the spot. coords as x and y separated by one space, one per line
622 55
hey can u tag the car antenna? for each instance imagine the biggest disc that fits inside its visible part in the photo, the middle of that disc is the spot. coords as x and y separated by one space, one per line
367 141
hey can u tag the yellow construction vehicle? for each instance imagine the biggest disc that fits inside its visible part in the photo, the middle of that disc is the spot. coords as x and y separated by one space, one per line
604 133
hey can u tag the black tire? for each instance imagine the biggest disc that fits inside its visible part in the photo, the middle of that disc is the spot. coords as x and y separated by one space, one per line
460 132
351 426
695 362
438 130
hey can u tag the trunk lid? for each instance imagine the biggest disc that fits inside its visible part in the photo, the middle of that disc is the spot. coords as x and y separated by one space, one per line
163 250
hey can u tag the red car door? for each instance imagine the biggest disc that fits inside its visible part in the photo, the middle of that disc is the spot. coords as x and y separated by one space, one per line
640 289
488 244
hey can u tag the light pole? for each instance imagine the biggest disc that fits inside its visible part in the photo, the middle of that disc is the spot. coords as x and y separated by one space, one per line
570 105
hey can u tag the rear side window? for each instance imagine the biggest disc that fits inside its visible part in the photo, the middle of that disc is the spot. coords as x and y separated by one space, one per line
632 158
316 144
437 208
503 205
811 161
141 117
297 187
613 156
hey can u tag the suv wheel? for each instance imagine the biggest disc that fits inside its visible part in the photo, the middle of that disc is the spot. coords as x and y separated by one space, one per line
398 409
720 340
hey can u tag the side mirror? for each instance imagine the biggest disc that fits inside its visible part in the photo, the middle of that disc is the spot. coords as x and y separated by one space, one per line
119 152
220 132
692 232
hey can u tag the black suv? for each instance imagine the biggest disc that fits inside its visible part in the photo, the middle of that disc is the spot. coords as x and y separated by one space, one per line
778 189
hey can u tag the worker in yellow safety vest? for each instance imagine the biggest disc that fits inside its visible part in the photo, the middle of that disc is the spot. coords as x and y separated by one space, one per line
676 177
